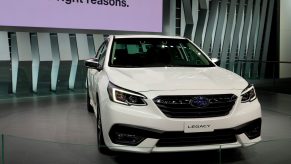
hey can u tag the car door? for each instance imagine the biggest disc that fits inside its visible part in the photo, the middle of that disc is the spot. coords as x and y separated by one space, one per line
94 73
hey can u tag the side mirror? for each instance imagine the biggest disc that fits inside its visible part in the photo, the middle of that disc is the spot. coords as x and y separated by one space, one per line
93 64
216 61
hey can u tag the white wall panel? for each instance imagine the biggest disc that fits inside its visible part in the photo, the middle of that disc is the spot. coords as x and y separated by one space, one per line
172 23
285 55
4 47
285 21
98 40
24 47
35 61
183 21
45 47
285 38
203 15
56 62
75 60
64 47
195 9
14 62
83 48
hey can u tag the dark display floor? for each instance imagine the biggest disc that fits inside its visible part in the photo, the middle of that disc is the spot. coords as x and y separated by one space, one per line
57 129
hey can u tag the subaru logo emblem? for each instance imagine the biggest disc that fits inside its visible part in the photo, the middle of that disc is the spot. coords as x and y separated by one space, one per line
199 102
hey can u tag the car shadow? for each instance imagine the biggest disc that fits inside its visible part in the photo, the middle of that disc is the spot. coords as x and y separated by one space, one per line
205 157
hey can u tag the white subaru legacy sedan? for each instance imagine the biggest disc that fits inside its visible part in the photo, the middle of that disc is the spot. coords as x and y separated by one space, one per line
163 94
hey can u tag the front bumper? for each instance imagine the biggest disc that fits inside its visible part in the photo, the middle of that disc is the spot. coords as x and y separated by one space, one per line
243 135
151 128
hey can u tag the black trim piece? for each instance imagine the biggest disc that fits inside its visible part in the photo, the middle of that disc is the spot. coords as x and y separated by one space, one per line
181 106
139 131
251 129
139 134
194 139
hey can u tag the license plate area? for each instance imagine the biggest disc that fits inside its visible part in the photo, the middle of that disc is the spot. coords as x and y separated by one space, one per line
194 127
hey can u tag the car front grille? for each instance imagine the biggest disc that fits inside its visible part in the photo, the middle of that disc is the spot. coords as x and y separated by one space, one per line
196 139
197 106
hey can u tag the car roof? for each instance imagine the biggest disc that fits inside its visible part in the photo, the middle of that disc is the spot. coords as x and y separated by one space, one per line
147 36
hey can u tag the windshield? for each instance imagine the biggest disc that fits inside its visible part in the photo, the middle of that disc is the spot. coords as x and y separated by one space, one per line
156 52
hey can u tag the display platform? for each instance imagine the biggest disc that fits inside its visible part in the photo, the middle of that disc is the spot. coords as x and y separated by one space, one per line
58 129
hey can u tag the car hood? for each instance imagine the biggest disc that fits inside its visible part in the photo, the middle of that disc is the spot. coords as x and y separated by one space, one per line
175 78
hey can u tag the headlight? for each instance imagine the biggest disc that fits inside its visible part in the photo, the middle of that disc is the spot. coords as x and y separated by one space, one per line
248 94
124 96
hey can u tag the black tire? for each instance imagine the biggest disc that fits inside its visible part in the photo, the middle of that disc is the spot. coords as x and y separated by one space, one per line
103 149
89 106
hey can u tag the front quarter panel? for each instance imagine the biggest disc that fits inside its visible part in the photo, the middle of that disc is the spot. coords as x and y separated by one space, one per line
101 82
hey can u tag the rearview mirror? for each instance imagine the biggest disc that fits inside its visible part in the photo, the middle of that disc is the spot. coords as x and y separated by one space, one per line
93 64
216 61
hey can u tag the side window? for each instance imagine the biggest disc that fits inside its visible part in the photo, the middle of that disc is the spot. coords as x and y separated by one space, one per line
102 53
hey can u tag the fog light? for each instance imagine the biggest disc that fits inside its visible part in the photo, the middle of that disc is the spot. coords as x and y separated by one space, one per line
126 139
252 129
253 132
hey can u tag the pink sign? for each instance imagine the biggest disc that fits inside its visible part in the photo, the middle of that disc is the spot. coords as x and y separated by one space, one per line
117 15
